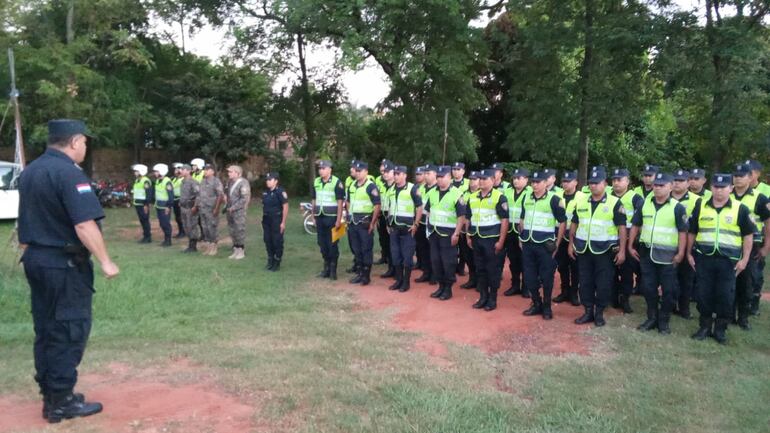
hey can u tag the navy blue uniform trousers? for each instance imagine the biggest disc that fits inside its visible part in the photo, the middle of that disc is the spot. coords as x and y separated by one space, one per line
165 222
362 243
597 273
443 258
656 275
715 276
271 228
401 246
539 267
324 225
144 220
489 264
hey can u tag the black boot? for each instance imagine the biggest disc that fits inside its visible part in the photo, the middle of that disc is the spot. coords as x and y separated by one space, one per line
513 290
181 234
67 406
359 275
720 331
754 309
743 322
333 270
587 317
399 273
471 283
192 246
381 261
491 301
438 291
625 304
535 308
663 326
563 296
325 272
166 242
482 299
366 276
146 240
447 293
269 265
423 278
276 264
599 317
573 296
704 329
390 273
47 402
406 280
651 322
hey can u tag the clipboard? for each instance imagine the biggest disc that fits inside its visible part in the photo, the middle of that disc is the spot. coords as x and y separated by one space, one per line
337 233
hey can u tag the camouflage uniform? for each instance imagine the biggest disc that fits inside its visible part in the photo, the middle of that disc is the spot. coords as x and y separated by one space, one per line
239 194
189 194
210 189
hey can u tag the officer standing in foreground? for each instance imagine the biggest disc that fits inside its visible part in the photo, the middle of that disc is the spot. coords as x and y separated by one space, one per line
405 206
210 200
515 196
663 224
718 248
177 182
364 204
598 236
421 238
189 195
567 266
164 201
350 180
685 274
142 195
327 200
275 209
446 212
632 202
487 218
59 229
465 250
541 211
460 182
648 176
238 198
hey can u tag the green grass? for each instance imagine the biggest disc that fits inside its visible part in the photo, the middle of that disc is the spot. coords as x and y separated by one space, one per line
312 361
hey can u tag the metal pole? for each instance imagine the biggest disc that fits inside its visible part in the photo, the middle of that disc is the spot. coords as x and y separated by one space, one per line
19 157
446 120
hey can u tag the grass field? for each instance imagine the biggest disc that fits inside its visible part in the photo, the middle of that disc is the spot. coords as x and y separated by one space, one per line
311 359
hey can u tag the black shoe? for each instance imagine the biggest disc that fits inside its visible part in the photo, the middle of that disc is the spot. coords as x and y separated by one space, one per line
704 330
563 297
406 280
399 274
366 276
166 243
382 261
147 240
333 270
438 291
269 264
276 265
47 403
491 300
180 235
625 303
547 313
423 278
482 301
447 293
357 279
648 325
192 247
433 282
754 308
534 309
743 322
69 407
513 290
587 317
390 273
720 331
325 272
525 294
599 317
470 284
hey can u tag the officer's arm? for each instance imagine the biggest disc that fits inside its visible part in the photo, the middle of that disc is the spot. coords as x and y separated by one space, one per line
417 216
559 211
504 223
91 236
375 217
285 213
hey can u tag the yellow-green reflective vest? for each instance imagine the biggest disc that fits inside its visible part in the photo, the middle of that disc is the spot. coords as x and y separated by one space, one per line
161 193
325 196
587 190
539 221
464 185
401 205
384 192
628 204
138 191
360 203
659 232
688 200
763 189
570 211
485 222
559 191
348 181
424 191
443 212
719 232
198 176
177 181
596 230
504 185
750 200
514 206
642 192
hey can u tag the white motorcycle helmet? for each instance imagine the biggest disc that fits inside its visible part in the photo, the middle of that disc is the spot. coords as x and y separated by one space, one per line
140 168
162 169
177 165
198 162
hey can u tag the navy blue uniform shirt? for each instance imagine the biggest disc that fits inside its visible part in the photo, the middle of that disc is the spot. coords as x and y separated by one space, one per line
273 200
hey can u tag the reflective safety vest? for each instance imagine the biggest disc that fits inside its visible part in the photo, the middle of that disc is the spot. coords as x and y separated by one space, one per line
443 212
659 232
559 191
750 200
514 206
596 230
360 202
627 200
763 189
705 194
570 211
161 193
641 191
384 192
539 220
177 181
719 232
325 196
688 200
463 186
424 191
504 185
485 222
348 181
401 206
138 191
198 176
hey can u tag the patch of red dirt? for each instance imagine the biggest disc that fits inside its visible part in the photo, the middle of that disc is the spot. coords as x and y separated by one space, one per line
766 296
177 399
504 329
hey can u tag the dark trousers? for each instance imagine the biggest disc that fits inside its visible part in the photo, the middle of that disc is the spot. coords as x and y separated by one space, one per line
423 249
515 265
61 313
466 253
597 272
165 222
539 267
271 228
759 278
324 225
362 243
401 247
685 282
489 265
656 275
384 237
716 286
178 217
624 278
744 285
568 268
443 258
144 220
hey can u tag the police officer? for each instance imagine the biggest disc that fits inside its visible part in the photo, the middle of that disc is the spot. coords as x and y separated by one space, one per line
648 176
697 183
364 204
421 238
487 219
465 250
142 195
567 266
419 182
541 211
197 165
550 182
188 196
760 214
460 182
446 211
758 281
596 235
207 207
499 183
662 222
59 230
164 201
275 209
383 182
722 235
405 206
238 198
685 274
177 182
350 180
632 203
514 196
327 199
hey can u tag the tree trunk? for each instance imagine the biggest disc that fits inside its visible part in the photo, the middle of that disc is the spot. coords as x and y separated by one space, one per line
717 89
585 76
70 21
307 112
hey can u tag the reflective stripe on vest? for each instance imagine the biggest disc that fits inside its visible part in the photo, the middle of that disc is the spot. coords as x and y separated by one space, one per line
443 211
485 222
659 232
596 231
177 181
401 205
719 232
570 211
198 176
161 194
689 199
514 206
628 204
360 202
138 191
325 196
539 221
750 200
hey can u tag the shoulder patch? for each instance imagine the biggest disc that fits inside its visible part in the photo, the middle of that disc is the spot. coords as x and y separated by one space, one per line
285 196
504 205
622 210
562 203
684 218
461 202
83 188
375 192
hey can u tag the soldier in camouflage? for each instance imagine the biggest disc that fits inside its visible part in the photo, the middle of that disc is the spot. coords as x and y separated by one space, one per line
238 197
208 205
188 195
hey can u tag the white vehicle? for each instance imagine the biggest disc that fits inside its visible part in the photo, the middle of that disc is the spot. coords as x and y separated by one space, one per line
9 190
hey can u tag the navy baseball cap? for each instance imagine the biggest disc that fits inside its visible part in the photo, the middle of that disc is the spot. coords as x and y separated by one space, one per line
742 170
361 165
388 166
754 164
569 176
271 175
458 165
698 173
520 172
681 175
497 166
386 161
620 173
400 169
420 169
64 128
484 174
662 179
548 172
353 163
598 168
596 176
473 175
721 179
650 170
430 167
324 164
538 176
443 170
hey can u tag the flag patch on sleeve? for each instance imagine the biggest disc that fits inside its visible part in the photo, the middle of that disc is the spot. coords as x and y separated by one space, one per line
83 188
